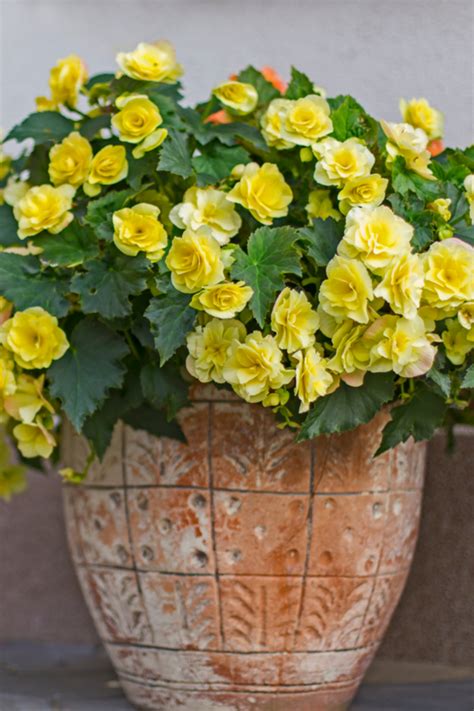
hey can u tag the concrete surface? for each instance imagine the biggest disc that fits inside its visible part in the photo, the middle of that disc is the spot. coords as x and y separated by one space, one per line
374 49
65 678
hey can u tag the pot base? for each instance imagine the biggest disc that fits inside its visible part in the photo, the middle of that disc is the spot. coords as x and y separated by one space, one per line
149 698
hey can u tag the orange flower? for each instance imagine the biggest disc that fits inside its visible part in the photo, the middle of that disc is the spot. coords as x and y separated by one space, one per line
274 78
435 147
218 117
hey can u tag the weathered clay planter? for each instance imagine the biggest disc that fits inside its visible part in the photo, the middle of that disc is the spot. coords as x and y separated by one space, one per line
243 572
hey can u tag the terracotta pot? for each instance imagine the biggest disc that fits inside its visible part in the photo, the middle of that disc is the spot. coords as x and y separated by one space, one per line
243 572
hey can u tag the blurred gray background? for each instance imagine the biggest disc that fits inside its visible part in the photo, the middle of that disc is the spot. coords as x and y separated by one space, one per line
375 50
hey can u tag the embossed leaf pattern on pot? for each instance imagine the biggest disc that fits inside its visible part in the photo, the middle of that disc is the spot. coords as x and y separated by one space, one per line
243 566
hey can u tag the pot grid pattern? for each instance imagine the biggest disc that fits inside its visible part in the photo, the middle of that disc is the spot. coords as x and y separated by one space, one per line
205 565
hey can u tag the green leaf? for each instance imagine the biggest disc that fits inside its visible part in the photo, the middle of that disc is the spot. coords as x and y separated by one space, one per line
87 371
37 165
150 420
23 283
322 238
459 206
99 212
406 181
204 133
465 232
347 119
299 86
91 126
107 285
73 246
42 127
103 78
442 380
266 91
175 155
419 417
271 253
468 380
216 162
99 427
126 84
164 388
169 111
348 407
8 227
171 320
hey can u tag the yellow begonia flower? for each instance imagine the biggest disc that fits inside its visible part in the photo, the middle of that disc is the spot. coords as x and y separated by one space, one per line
7 375
223 300
14 190
44 208
320 205
27 400
420 114
469 188
294 321
151 62
410 143
457 341
66 79
402 284
12 477
449 282
466 316
301 122
71 476
347 290
137 119
34 338
375 235
137 229
12 481
263 191
255 367
5 161
208 348
70 160
237 96
339 161
401 345
195 261
272 124
441 207
210 208
154 140
352 356
313 380
109 166
366 190
45 104
34 440
6 308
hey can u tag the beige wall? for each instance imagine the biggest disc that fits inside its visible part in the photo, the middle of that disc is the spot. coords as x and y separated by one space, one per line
378 50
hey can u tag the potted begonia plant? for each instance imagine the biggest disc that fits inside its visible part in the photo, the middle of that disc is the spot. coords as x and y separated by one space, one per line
242 319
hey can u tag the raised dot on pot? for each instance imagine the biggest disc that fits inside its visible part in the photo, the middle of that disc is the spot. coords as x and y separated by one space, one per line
165 526
147 553
198 501
200 559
